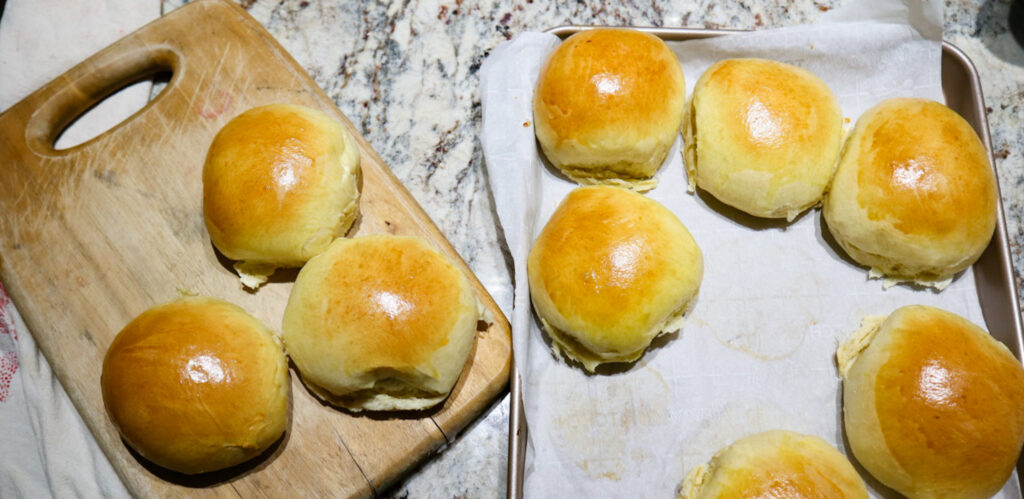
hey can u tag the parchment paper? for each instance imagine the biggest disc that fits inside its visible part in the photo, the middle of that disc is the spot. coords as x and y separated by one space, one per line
757 350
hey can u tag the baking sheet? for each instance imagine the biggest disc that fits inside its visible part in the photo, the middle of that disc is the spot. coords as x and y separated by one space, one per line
757 351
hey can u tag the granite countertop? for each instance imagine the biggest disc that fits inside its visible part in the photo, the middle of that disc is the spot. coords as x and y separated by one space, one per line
406 74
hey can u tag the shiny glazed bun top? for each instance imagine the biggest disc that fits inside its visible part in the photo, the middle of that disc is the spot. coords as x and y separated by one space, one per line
610 271
381 323
914 197
775 464
608 105
933 405
196 385
763 136
279 184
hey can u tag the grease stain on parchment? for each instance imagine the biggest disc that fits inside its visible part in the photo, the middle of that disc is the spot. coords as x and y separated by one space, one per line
601 425
760 304
751 336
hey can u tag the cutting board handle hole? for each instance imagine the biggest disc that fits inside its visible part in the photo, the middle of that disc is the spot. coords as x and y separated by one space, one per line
102 100
111 111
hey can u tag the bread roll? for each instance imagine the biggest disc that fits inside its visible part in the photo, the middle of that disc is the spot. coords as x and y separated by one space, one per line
933 405
775 463
608 106
914 197
609 272
381 323
762 136
279 184
196 385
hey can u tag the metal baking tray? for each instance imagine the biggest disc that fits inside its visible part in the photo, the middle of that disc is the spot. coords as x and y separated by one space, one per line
993 272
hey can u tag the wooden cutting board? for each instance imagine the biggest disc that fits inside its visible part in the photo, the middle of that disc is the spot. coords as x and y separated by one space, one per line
92 235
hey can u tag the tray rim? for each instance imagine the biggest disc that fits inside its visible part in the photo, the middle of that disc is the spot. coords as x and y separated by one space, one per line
998 251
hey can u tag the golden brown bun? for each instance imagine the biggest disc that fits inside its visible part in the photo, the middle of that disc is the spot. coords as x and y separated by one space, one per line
608 106
611 271
775 463
913 197
763 136
933 405
279 184
381 323
196 385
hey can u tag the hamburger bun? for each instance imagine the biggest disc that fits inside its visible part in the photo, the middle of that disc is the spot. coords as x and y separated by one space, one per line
381 323
196 385
279 184
914 197
775 463
933 406
609 272
608 105
762 136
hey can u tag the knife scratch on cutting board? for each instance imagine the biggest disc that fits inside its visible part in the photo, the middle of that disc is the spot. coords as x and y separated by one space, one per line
199 107
10 224
211 107
66 186
49 189
165 137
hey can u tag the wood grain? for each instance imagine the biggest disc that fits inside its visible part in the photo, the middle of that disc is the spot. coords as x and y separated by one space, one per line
93 235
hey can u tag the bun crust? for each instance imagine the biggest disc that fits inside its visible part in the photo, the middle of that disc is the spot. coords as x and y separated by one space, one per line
609 272
775 463
608 106
279 184
933 405
196 385
381 323
914 197
763 136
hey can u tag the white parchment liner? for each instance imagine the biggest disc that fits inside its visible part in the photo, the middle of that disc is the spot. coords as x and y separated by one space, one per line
757 351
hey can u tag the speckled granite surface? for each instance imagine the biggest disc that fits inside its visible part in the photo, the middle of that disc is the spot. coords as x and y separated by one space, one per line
406 73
